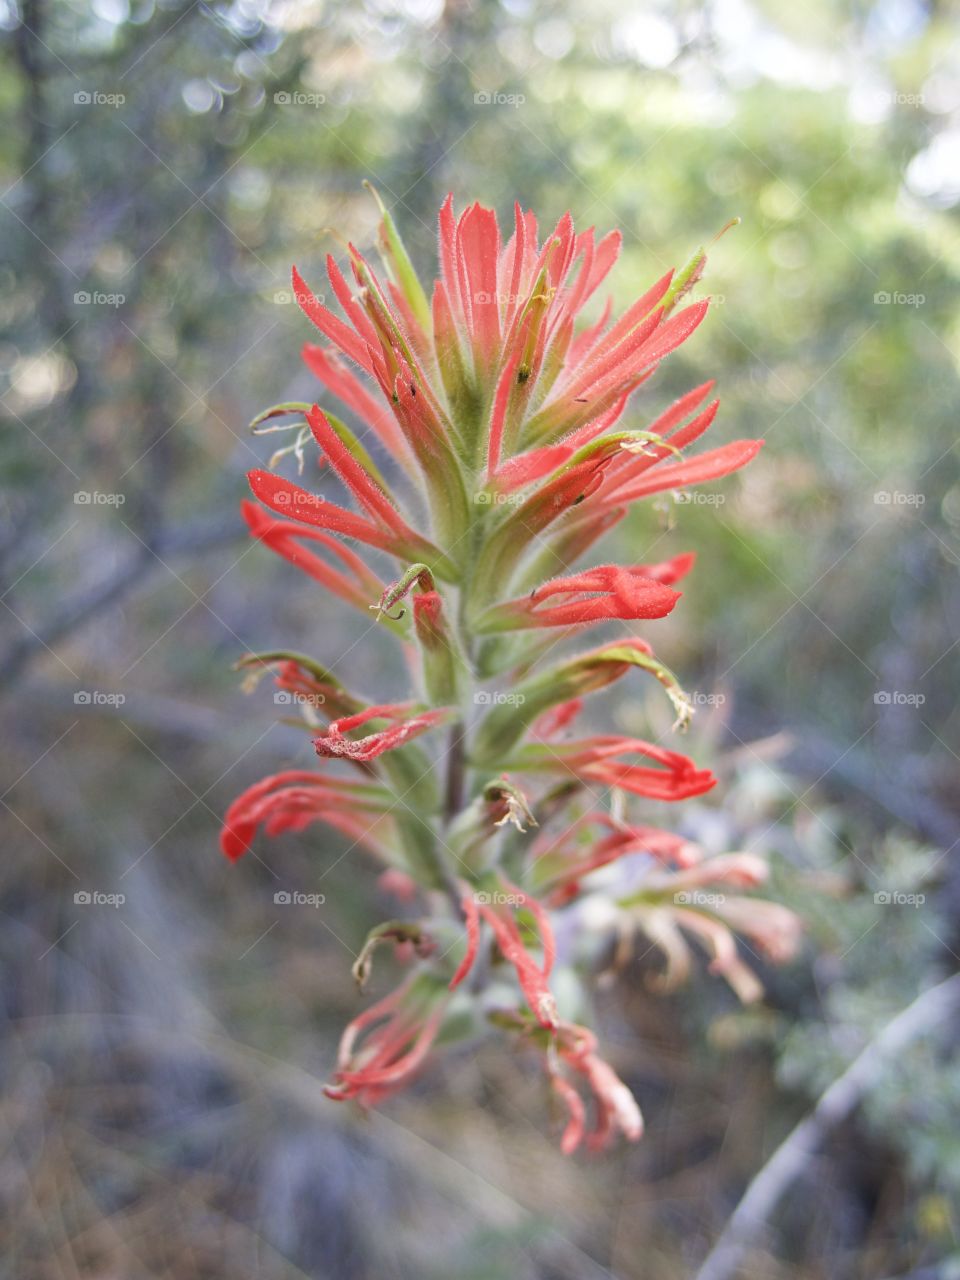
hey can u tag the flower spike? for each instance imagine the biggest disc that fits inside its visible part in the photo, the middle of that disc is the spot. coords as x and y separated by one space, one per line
489 441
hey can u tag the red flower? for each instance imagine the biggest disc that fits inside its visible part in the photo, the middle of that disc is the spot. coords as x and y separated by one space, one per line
335 744
595 760
292 800
496 909
628 485
507 723
671 903
559 864
501 422
616 1109
608 591
289 499
405 1025
500 332
358 586
555 720
347 387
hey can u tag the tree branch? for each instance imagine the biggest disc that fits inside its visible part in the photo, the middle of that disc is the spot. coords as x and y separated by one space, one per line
841 1098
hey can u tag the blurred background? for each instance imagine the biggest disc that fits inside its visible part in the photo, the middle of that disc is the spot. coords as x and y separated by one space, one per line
166 1028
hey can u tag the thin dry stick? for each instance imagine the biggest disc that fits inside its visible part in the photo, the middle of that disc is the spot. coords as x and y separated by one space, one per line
767 1188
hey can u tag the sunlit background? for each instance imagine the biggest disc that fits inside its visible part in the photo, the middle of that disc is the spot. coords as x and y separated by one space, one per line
161 167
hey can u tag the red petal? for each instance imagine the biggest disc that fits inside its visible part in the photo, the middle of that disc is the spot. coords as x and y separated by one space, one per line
290 500
363 487
329 325
347 387
479 243
334 744
707 466
282 537
469 904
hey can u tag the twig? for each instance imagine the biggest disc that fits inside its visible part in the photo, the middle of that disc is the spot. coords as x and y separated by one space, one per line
787 1162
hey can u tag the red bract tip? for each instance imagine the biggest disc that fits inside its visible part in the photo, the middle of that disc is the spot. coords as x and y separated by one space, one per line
357 586
531 975
290 801
335 744
608 591
596 759
472 916
400 1031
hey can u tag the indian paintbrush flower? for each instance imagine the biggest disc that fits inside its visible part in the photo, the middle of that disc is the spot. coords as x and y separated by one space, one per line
488 455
